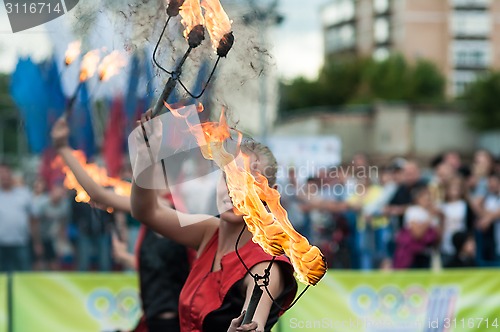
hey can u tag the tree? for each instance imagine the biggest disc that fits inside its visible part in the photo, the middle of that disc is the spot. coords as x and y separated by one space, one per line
427 83
354 80
481 102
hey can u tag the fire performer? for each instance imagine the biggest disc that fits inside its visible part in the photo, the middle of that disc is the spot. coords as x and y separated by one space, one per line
162 264
219 286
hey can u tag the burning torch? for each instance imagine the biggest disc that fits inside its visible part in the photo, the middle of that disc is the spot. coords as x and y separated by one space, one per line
218 26
87 70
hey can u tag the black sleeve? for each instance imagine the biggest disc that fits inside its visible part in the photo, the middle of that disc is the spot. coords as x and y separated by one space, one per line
470 218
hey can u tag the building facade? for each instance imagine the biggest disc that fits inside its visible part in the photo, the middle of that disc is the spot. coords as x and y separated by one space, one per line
457 35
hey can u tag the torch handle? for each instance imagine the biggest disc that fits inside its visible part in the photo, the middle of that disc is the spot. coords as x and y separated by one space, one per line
171 83
167 90
72 100
254 302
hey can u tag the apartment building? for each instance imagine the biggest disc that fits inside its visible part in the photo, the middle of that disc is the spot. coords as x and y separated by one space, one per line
457 35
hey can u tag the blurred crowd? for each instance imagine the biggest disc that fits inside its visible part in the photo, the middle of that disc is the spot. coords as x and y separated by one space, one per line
401 215
44 228
396 216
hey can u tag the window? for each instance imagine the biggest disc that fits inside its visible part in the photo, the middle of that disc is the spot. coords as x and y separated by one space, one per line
381 30
471 23
462 79
381 53
381 6
340 38
473 54
470 3
338 11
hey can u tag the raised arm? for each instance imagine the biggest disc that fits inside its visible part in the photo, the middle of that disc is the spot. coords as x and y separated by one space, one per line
186 229
97 193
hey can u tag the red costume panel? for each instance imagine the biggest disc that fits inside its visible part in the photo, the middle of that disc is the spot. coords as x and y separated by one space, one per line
204 290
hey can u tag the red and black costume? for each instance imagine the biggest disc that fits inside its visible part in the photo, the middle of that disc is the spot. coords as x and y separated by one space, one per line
163 266
210 300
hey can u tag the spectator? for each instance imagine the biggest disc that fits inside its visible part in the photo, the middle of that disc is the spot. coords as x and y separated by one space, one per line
289 190
313 219
465 251
458 216
372 226
443 173
39 195
53 214
478 181
454 159
489 227
420 233
16 217
94 237
410 180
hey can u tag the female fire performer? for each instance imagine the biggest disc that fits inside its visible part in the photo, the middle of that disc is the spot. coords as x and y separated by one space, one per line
219 286
162 264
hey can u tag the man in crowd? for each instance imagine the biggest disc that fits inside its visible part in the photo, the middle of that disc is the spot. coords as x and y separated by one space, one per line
15 222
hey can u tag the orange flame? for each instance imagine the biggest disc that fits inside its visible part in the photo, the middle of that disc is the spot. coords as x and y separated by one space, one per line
89 65
217 22
190 12
72 52
98 174
111 65
249 190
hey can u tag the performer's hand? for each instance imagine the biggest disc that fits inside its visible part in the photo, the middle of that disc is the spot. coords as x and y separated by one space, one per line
144 147
235 324
60 133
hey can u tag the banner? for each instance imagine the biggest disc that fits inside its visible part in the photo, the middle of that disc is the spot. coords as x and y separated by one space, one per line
3 303
461 300
83 302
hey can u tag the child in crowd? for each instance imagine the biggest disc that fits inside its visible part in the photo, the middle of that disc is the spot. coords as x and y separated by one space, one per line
420 233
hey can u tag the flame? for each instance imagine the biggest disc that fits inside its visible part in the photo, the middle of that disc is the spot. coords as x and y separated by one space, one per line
111 65
249 190
217 22
98 174
191 16
72 52
89 65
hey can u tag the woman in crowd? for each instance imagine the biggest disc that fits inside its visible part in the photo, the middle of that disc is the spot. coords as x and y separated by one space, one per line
219 286
458 216
489 224
162 264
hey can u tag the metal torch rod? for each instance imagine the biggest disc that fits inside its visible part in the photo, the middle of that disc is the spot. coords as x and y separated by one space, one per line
72 100
170 85
254 302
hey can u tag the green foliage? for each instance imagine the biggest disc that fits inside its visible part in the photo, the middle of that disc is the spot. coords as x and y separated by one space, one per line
352 80
481 102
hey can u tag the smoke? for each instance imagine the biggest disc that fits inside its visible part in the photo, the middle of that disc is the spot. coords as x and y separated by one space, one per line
237 82
136 21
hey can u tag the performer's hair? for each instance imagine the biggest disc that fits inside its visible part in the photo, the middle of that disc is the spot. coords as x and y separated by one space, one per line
265 155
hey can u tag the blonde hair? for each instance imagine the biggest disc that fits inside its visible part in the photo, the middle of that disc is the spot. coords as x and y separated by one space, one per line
264 154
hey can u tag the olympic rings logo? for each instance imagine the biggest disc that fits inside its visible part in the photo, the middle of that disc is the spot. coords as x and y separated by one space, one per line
103 304
389 300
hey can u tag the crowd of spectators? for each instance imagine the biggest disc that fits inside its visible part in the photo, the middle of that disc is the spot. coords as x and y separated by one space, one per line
397 216
44 228
401 215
